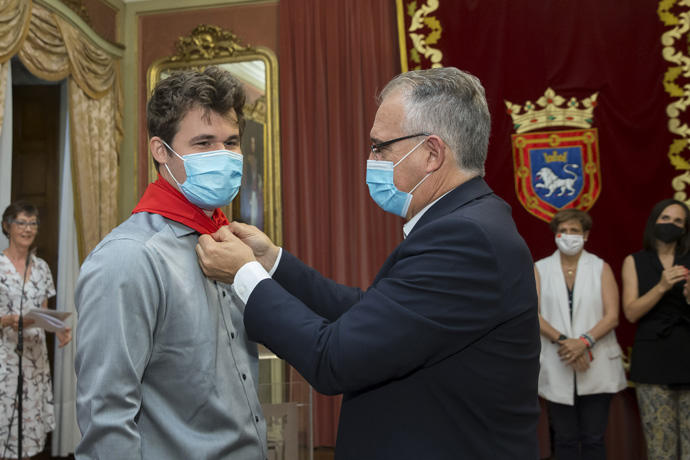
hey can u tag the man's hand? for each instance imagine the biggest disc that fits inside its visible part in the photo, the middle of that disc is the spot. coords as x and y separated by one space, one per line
264 250
222 254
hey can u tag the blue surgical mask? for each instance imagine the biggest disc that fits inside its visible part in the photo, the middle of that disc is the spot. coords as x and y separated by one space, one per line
382 187
213 178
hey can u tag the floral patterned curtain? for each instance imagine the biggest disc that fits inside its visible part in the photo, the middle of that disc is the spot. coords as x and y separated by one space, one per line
52 49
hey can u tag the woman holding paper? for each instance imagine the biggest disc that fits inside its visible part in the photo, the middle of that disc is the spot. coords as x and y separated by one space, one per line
25 282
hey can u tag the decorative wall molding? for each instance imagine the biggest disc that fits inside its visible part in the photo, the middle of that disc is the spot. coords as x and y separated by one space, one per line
60 8
675 14
424 31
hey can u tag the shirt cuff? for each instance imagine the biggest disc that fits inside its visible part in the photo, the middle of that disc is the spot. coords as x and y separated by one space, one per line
275 264
251 274
246 279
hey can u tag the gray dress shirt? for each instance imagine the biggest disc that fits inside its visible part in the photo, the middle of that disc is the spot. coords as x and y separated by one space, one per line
164 366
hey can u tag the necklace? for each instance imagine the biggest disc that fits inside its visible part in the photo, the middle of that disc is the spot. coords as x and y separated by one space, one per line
569 270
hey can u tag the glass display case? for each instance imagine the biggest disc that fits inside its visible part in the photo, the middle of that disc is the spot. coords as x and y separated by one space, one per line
287 406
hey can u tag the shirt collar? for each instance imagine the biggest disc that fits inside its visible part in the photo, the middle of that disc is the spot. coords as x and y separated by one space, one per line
409 225
160 197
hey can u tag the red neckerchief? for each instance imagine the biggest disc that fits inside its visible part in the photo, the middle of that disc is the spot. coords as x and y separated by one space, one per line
162 198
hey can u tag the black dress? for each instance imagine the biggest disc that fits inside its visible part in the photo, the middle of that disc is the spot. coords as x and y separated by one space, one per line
661 352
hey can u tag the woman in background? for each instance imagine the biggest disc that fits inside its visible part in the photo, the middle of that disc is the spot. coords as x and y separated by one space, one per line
653 283
581 364
20 225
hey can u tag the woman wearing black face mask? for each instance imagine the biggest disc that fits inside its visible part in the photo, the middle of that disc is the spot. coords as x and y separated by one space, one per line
655 293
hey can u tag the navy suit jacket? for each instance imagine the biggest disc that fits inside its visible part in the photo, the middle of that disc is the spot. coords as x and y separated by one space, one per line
439 358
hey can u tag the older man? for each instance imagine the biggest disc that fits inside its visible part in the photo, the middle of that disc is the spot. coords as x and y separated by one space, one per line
439 358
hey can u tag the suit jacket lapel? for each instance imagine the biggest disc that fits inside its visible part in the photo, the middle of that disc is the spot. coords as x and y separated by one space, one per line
456 198
461 195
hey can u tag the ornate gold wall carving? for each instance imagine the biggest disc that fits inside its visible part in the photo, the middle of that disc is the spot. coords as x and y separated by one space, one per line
676 16
424 31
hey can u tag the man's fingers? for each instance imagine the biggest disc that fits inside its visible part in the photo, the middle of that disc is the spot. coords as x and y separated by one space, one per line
242 230
201 254
206 241
223 234
200 258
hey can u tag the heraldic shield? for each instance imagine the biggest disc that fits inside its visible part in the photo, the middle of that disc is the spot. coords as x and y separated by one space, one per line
555 170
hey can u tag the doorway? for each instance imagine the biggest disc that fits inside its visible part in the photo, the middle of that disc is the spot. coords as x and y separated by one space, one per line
35 159
36 140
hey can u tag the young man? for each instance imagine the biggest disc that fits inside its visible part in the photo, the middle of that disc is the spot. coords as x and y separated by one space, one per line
164 366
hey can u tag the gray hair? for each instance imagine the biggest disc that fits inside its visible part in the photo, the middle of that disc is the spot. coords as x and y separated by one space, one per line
451 104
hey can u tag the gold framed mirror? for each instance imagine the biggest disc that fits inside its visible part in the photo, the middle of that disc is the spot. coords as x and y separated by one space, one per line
259 200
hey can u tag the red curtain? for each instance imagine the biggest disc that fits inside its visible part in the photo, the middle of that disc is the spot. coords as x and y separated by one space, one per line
519 48
334 59
336 56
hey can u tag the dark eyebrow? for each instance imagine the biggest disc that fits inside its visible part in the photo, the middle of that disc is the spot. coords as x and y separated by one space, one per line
210 137
201 137
375 140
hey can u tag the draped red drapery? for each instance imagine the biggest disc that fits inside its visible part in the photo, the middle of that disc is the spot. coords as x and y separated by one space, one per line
335 57
519 48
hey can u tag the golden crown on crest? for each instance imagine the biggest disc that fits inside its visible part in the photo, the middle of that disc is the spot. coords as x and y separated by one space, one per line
552 114
555 156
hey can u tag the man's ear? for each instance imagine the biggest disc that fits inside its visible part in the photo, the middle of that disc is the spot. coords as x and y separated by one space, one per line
438 153
158 149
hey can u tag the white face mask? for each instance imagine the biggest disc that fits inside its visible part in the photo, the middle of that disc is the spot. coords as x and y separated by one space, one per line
570 244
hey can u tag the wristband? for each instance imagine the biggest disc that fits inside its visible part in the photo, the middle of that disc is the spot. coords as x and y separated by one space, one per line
582 337
589 339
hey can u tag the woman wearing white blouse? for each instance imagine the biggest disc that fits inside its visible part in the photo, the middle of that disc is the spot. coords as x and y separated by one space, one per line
581 364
